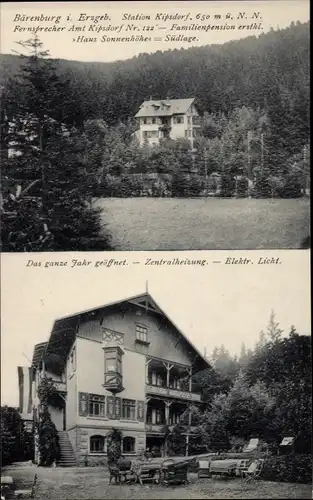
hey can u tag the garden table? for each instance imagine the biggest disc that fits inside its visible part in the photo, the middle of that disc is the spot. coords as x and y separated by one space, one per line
223 467
146 471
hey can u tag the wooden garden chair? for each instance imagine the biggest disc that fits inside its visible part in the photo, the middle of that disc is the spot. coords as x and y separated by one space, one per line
204 469
253 472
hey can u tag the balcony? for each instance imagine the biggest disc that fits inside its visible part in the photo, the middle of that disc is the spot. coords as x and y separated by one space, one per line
160 428
60 386
157 428
172 393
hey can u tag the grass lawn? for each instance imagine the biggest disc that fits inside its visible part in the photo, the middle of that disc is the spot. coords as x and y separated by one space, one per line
92 483
205 223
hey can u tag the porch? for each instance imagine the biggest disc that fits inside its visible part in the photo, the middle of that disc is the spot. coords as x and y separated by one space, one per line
172 380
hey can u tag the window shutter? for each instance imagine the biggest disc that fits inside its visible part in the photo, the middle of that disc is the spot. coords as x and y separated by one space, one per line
118 408
140 411
83 403
110 407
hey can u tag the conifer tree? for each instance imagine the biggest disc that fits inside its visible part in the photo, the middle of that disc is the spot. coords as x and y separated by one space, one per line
44 193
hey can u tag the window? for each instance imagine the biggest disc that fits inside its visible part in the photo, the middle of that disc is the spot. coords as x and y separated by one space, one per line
152 133
129 444
97 444
113 368
96 405
160 380
153 120
175 383
113 361
129 409
144 121
178 119
175 418
141 333
159 416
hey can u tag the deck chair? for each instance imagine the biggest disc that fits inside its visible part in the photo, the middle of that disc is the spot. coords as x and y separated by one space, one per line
27 493
286 446
253 472
204 469
252 445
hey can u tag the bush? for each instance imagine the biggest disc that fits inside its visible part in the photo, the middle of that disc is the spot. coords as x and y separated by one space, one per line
292 187
228 186
242 187
288 469
48 439
114 447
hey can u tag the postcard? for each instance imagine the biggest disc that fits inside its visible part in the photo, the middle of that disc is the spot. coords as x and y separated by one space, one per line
155 250
192 371
155 126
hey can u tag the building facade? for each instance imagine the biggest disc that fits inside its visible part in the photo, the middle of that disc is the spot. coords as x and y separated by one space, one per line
168 118
125 366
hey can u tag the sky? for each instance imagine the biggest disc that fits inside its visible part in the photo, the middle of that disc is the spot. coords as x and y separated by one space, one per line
213 305
272 13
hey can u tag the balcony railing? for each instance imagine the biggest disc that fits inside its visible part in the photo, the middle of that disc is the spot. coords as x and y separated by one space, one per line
172 393
155 428
159 428
60 386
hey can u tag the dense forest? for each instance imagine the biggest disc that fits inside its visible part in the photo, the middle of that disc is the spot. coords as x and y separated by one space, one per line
67 116
269 71
264 392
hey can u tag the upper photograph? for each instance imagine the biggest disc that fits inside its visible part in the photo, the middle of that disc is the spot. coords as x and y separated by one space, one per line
155 126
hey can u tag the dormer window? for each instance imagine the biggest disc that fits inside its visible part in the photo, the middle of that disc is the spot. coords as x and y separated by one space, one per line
141 333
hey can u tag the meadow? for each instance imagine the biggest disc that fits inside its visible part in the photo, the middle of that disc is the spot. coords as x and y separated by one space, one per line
206 223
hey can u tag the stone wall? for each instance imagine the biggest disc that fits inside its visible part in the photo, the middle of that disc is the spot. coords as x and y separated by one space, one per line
80 443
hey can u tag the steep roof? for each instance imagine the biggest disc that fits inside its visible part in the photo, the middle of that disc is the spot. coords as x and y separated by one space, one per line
164 107
64 331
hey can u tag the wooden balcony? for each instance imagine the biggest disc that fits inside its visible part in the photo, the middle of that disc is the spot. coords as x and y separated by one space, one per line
159 428
155 428
60 386
172 393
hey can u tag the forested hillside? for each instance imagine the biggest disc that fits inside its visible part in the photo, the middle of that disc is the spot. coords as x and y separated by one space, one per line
78 117
256 71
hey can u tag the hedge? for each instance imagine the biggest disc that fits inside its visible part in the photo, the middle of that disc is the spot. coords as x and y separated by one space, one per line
288 469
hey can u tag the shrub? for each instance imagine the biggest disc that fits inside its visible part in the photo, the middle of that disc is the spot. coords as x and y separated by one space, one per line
288 468
114 447
242 187
47 434
228 186
49 449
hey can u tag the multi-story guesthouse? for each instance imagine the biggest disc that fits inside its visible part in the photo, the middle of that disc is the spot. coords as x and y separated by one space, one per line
124 365
168 118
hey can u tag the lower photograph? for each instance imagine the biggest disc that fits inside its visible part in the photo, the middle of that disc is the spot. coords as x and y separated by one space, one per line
175 382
